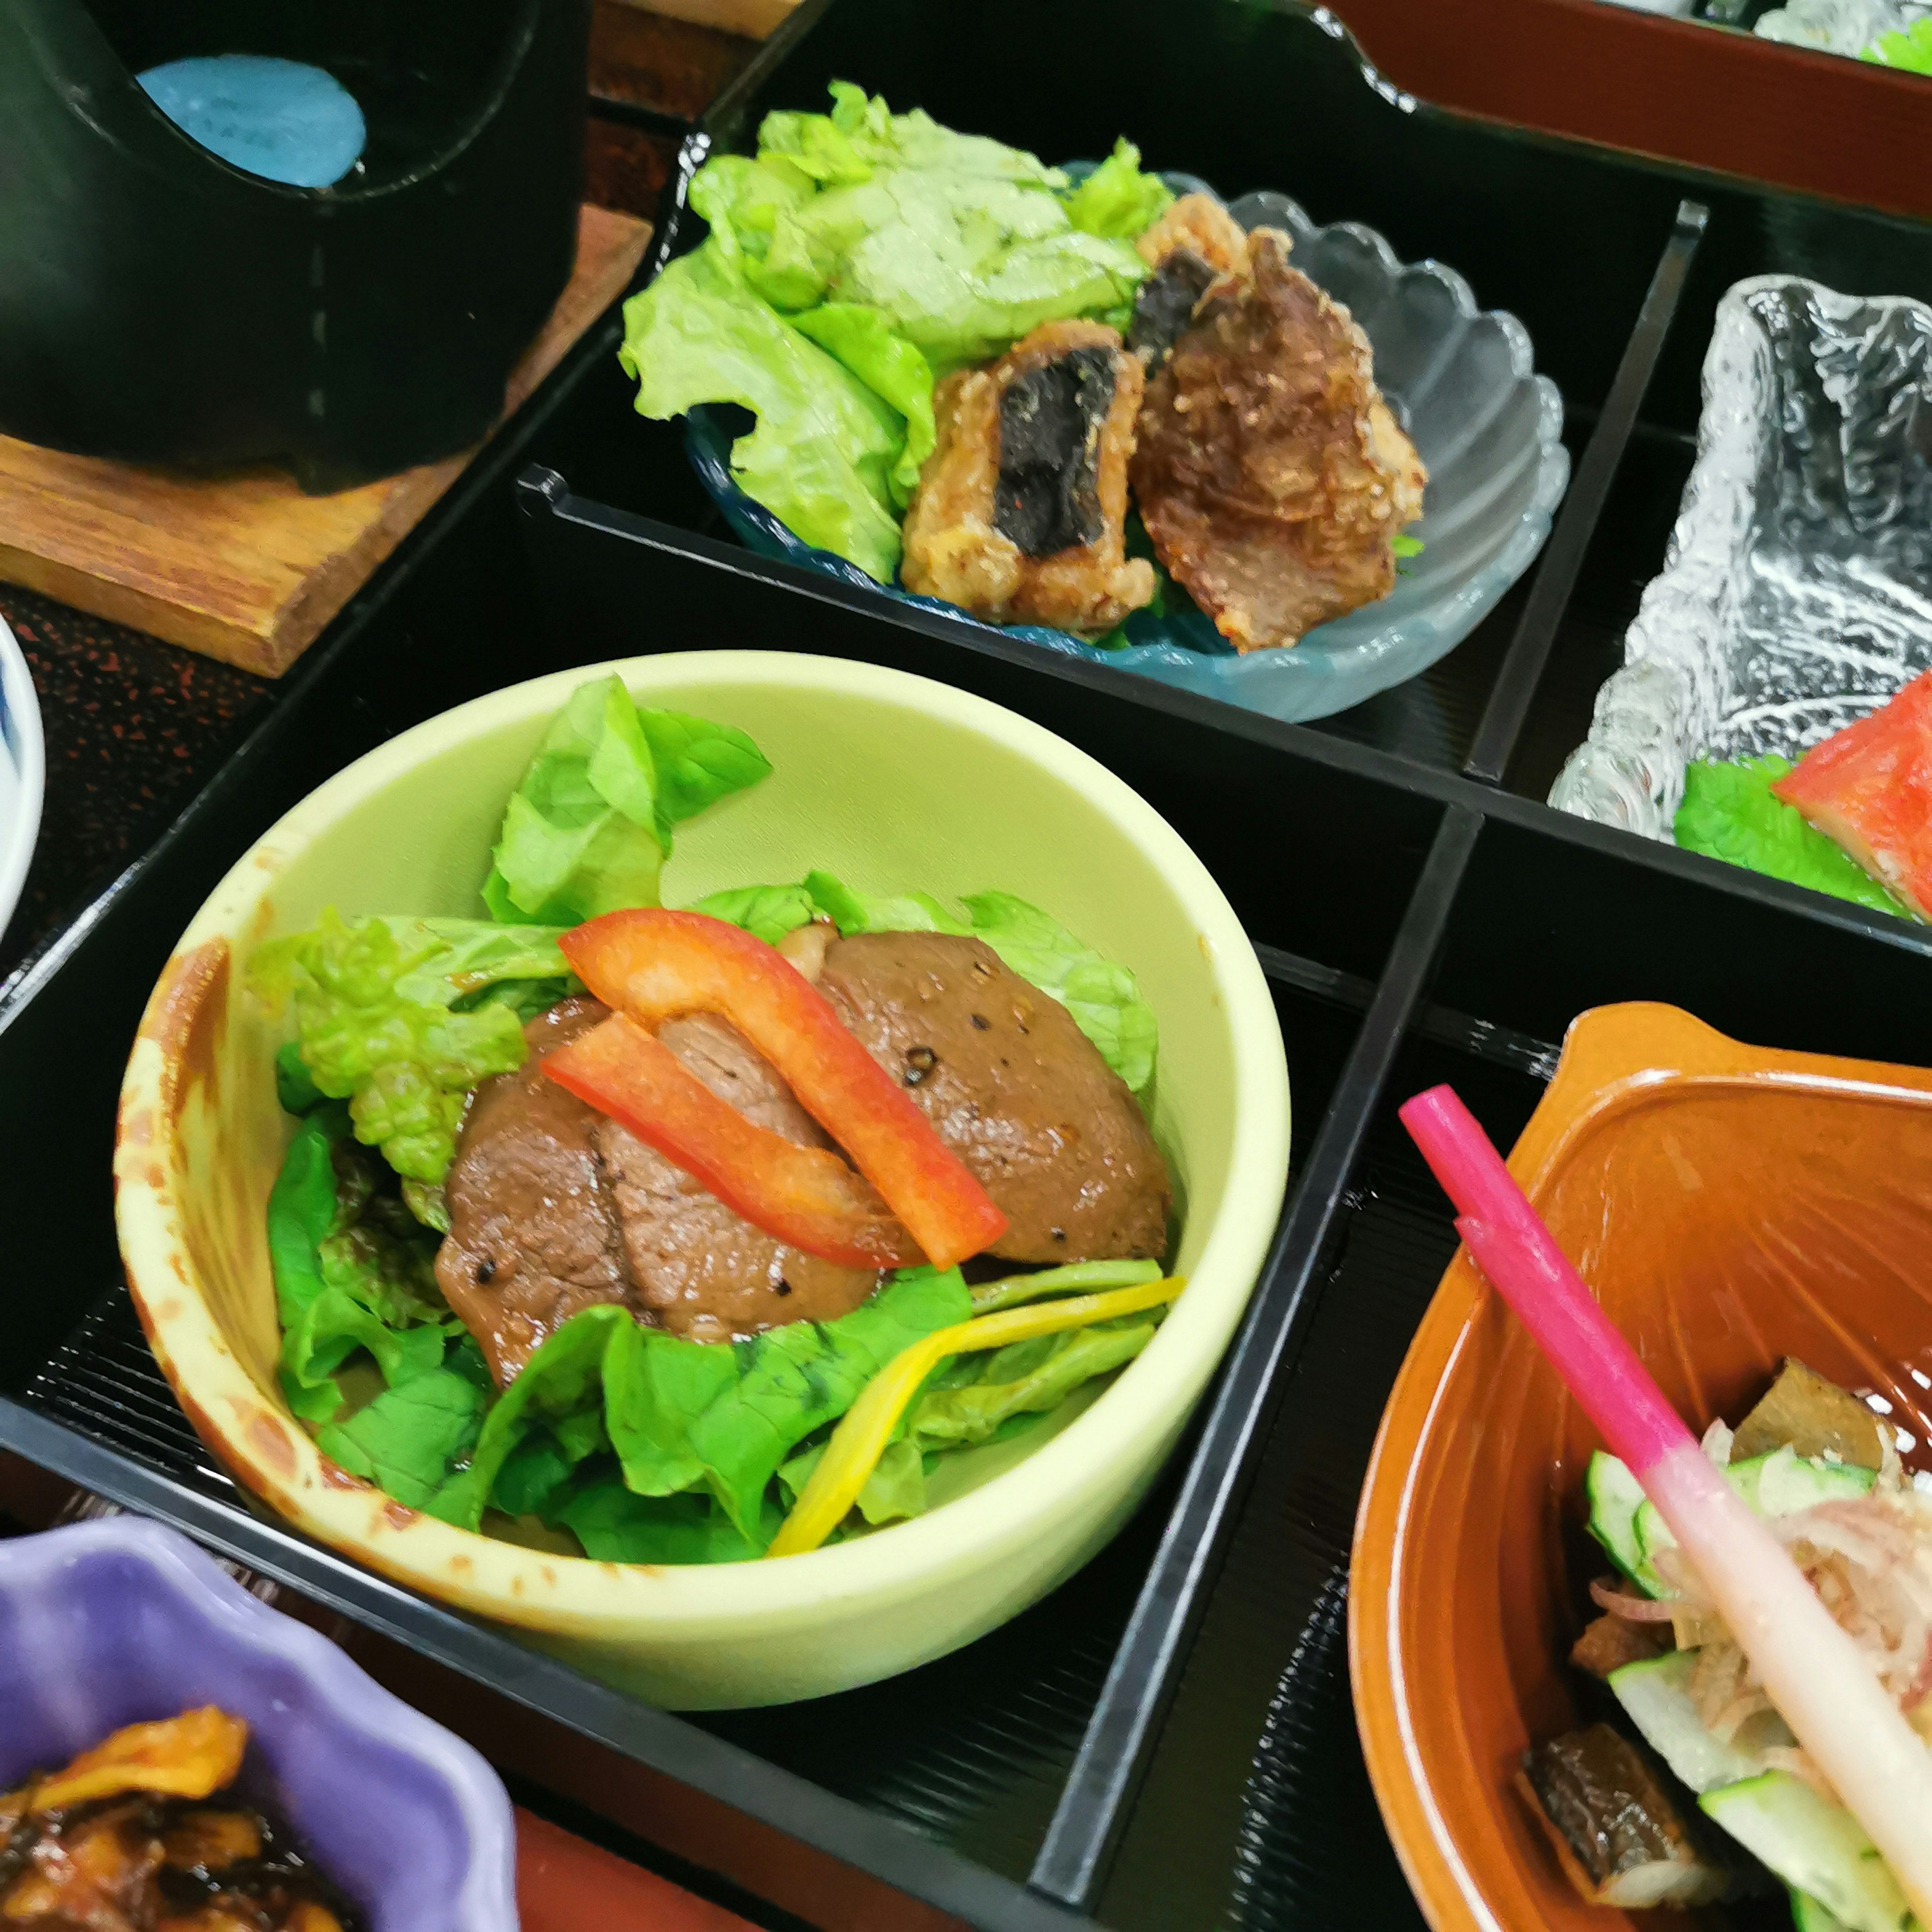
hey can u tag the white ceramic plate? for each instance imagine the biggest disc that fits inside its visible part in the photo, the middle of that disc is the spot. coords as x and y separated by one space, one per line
22 771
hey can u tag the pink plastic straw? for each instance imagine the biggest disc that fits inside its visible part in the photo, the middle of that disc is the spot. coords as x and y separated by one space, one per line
1822 1686
1527 1268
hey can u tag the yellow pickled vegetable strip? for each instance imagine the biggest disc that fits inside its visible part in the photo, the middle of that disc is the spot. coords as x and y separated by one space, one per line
866 1427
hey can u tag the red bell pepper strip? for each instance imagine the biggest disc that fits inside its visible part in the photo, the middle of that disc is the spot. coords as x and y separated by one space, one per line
656 965
805 1197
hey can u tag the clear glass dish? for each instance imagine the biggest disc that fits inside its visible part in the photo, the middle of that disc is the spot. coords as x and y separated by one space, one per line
1461 381
1796 594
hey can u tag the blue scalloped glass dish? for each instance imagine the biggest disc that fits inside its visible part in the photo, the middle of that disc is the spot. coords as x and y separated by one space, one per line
1461 381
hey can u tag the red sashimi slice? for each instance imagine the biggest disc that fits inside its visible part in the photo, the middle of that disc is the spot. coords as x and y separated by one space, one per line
1869 787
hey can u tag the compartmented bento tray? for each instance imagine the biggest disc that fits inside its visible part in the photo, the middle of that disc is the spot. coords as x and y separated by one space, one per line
1167 1741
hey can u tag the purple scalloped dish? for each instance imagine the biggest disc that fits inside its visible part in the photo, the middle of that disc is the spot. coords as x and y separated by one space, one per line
114 1623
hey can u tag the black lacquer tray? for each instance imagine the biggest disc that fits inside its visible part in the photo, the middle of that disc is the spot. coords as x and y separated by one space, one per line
1166 1743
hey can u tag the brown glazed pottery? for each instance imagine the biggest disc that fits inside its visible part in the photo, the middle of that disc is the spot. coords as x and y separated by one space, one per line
1729 1206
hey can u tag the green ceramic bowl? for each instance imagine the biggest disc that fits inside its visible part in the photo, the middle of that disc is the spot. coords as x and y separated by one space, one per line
891 782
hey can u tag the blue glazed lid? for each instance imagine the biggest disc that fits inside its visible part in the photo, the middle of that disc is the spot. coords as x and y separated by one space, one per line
284 120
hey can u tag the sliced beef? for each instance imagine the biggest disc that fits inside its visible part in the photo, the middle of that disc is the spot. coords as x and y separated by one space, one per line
1013 1087
533 1235
702 1270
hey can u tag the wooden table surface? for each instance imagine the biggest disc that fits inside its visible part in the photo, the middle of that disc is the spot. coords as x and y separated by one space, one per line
246 567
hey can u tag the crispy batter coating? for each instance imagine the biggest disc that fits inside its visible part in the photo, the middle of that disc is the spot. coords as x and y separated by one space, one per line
955 548
1200 224
1269 471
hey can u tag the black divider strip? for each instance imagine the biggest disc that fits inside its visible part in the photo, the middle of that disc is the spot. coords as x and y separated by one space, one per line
1483 1038
1094 1805
734 101
1589 489
1310 976
895 1852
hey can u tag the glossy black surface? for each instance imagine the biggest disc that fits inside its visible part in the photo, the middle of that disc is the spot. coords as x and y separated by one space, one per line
163 307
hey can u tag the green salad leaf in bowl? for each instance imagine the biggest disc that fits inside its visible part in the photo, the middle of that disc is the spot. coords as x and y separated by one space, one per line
643 1430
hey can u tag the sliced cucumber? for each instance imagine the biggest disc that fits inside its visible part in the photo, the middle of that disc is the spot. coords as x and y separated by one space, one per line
1808 1915
1657 1694
1817 1848
1777 1484
1791 1483
1615 1496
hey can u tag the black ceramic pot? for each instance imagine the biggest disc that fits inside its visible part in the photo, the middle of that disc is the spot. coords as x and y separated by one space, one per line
159 305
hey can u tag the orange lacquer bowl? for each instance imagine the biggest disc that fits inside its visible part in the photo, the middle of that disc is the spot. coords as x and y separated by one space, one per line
1729 1206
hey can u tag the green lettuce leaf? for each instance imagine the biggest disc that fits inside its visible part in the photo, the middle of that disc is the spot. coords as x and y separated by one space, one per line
857 256
864 129
888 364
860 912
406 1440
745 197
697 762
1116 199
615 1525
974 1399
533 1477
351 1272
1027 1378
685 1415
562 1378
960 266
766 912
295 1089
1729 812
588 829
427 1202
390 1015
538 1474
821 456
1910 49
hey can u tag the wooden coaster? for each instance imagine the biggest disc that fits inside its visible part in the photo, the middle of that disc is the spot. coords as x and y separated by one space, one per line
246 567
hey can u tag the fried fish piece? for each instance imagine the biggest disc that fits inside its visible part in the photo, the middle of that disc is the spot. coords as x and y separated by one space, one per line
1269 471
1198 225
1194 243
1020 513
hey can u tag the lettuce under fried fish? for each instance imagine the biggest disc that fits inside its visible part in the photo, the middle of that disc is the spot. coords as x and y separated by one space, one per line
858 256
